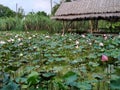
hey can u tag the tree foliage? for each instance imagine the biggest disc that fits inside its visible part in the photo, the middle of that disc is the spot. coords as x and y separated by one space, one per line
54 9
41 13
6 12
20 12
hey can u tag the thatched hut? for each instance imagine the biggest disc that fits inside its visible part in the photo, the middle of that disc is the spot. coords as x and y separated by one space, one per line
88 9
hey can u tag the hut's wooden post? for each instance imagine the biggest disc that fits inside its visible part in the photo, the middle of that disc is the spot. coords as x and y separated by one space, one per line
63 30
68 26
91 26
96 25
110 26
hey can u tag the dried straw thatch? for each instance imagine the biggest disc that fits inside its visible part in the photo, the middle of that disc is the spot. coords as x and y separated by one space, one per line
88 9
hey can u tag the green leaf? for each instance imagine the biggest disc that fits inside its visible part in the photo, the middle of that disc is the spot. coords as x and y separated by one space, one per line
92 56
84 86
33 78
94 64
11 86
21 80
119 58
13 68
98 77
70 77
62 86
29 68
115 84
47 75
83 69
6 78
24 86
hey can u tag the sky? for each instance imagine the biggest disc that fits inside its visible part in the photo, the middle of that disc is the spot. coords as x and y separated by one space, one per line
30 5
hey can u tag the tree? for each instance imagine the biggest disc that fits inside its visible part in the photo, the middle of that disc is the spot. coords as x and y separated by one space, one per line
54 9
42 13
6 12
20 12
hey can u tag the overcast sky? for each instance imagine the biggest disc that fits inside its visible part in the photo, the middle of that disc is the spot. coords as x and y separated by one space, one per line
29 5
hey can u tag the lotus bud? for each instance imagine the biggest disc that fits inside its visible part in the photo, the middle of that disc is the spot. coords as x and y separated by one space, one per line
19 39
20 44
104 35
47 36
27 32
90 43
2 42
16 36
77 46
101 44
33 35
70 39
83 36
21 55
29 37
77 42
104 58
62 34
105 38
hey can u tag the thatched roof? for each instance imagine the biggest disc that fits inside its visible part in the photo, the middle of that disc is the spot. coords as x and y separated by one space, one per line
88 9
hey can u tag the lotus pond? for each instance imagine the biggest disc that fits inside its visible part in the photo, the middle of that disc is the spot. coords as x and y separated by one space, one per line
35 61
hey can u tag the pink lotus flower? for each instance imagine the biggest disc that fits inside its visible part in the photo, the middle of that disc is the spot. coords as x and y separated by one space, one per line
104 58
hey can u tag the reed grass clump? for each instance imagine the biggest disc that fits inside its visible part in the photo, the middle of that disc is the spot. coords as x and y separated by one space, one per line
30 22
